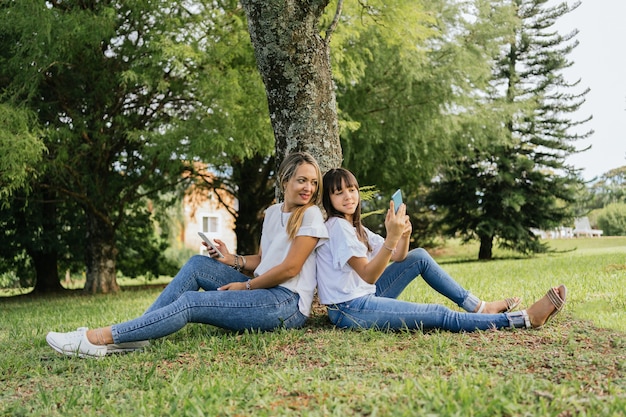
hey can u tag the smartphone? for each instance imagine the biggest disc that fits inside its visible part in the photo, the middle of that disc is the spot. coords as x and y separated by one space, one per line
397 199
211 244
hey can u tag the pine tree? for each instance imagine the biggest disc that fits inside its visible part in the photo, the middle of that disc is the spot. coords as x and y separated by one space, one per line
513 177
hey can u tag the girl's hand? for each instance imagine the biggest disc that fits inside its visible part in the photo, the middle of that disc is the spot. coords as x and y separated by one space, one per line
408 227
396 223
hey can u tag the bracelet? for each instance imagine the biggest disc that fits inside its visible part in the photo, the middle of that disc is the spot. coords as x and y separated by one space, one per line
237 266
243 258
392 250
248 284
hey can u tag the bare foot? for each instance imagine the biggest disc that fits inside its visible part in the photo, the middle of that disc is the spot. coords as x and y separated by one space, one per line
550 304
500 306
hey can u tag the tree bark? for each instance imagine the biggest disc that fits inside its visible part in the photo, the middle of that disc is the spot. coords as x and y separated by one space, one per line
294 63
47 271
486 248
101 254
41 218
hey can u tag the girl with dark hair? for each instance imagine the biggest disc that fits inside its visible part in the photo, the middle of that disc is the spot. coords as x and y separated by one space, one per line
360 287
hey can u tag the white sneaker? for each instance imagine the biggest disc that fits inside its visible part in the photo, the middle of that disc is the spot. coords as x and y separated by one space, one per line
75 344
127 346
124 347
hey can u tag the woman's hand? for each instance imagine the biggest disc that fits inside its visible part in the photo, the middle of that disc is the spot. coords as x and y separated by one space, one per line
228 259
233 286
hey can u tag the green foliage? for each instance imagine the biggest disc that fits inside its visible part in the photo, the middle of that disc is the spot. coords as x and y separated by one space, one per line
612 219
126 96
143 246
38 226
404 70
511 174
391 85
22 149
609 188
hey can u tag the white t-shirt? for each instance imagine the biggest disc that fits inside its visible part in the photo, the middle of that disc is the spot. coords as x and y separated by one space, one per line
275 245
337 282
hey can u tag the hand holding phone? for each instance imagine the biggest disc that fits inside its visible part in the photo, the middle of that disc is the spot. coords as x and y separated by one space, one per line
211 244
397 200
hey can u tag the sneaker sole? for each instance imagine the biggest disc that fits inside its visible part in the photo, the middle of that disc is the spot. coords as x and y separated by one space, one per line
126 347
122 350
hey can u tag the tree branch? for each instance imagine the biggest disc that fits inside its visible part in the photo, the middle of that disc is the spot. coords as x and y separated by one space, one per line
334 23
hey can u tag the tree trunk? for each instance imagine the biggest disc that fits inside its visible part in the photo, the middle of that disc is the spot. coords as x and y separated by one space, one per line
46 260
486 248
255 174
43 251
47 270
294 63
101 255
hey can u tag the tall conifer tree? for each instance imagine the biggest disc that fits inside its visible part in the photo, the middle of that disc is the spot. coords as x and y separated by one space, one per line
513 177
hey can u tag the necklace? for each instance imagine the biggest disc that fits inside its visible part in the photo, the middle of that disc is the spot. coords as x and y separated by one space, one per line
282 222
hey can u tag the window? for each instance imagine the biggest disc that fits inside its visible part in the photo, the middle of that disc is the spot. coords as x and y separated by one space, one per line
210 224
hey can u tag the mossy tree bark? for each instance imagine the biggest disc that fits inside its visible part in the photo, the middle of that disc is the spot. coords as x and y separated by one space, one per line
294 62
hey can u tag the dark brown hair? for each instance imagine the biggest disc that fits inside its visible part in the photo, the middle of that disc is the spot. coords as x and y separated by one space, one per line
337 179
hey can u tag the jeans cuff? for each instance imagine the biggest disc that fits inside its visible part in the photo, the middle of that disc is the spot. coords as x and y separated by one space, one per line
470 304
518 319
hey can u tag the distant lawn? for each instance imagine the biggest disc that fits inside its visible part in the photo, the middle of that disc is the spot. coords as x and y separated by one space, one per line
593 269
575 365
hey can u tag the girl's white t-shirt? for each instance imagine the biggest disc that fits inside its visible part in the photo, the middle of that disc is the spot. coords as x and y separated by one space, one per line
275 245
337 282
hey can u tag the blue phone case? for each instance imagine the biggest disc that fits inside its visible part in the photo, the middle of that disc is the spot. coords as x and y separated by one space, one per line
397 199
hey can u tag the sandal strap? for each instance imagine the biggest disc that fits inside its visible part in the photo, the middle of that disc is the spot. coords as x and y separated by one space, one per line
511 303
526 319
555 299
481 308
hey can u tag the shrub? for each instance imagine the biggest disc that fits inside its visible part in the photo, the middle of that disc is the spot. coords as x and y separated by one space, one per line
9 280
612 219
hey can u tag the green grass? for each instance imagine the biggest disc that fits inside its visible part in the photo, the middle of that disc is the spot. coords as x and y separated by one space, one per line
575 365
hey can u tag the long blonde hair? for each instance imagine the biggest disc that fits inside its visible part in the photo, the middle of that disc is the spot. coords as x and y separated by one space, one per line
286 171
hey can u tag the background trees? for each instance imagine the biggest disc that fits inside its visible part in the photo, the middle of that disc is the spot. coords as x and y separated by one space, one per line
605 202
389 92
609 188
125 95
515 177
128 97
21 148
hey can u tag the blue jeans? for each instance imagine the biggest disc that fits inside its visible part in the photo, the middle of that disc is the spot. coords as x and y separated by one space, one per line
382 310
182 302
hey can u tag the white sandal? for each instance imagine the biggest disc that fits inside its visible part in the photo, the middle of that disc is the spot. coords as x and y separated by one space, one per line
511 303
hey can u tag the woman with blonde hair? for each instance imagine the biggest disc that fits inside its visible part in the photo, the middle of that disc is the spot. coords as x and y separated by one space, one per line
280 293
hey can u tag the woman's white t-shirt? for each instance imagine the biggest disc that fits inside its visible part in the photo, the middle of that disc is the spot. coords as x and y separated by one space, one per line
337 282
275 245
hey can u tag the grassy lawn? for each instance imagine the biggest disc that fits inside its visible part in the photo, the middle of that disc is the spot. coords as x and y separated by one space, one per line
575 365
